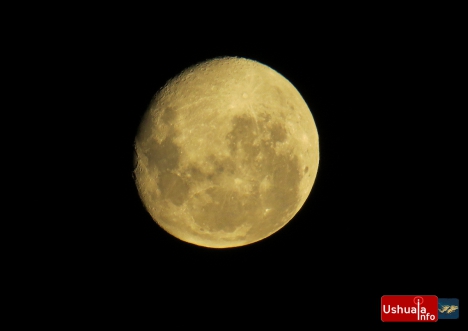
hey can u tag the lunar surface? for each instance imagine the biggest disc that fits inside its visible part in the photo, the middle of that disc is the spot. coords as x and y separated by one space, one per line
226 154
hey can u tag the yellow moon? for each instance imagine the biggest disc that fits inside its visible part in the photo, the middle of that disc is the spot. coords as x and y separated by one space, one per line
226 153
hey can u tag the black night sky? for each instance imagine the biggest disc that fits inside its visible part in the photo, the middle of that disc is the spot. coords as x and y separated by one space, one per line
383 212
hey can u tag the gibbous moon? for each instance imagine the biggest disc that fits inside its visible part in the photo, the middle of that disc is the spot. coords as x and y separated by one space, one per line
226 154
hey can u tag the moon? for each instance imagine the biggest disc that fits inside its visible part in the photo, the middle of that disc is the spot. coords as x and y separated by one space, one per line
226 153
